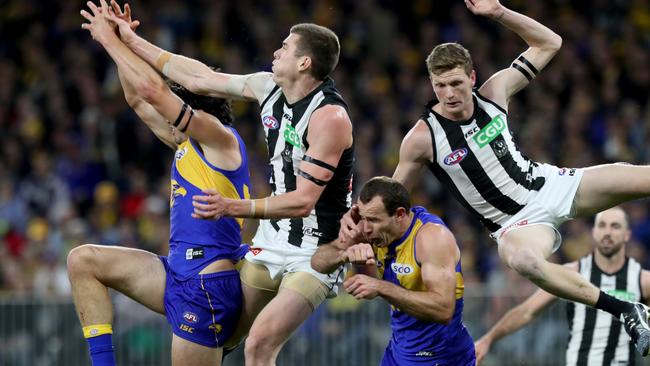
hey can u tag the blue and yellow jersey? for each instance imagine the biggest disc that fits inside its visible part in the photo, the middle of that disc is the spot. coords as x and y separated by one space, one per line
195 243
415 340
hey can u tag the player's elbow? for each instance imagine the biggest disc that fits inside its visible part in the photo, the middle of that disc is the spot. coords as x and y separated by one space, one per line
447 315
319 266
151 91
304 207
555 43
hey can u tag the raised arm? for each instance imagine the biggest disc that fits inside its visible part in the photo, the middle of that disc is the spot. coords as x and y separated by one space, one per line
543 45
415 153
330 133
194 75
516 318
145 85
147 113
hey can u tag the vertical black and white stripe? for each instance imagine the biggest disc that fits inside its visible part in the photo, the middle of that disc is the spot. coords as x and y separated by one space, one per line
322 225
494 181
596 338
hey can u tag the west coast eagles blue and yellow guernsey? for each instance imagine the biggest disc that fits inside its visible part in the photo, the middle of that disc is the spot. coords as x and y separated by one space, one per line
195 243
417 342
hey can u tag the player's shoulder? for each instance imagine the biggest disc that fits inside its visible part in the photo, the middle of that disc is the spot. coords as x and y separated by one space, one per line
418 138
330 117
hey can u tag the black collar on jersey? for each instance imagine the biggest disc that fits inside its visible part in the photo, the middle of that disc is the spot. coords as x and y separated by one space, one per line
327 82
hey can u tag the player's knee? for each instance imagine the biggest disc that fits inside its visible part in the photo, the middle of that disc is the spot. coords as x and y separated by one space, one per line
258 345
81 260
526 262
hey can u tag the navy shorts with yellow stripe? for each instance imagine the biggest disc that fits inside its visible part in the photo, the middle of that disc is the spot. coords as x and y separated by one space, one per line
205 308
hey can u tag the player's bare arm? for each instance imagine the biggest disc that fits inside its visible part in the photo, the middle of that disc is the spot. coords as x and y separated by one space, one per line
543 45
329 135
415 153
329 257
152 89
194 75
517 317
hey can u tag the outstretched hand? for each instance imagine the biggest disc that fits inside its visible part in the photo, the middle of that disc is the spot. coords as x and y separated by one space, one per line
99 24
488 8
211 205
124 15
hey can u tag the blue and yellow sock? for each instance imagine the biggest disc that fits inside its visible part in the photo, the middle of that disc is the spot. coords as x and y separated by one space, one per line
100 344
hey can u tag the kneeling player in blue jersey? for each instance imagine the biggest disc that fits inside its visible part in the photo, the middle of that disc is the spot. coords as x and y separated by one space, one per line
196 286
411 259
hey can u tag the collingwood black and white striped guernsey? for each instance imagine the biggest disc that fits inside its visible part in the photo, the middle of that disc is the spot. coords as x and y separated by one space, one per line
596 338
286 126
479 163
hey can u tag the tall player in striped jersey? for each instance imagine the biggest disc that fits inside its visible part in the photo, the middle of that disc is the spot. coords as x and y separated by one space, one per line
196 286
595 338
464 140
309 137
412 260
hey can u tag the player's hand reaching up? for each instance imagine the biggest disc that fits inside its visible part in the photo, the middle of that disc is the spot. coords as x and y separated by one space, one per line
489 8
99 25
124 15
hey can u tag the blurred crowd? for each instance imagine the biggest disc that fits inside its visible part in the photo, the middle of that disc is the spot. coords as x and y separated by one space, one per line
77 166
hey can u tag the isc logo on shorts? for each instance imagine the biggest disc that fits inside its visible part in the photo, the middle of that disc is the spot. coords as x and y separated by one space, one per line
193 253
401 268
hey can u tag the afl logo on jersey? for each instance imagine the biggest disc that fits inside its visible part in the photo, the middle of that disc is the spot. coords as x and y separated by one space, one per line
455 156
401 268
270 122
180 153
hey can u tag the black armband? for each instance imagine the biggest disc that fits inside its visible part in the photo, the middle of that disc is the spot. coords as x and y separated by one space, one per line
318 182
188 121
530 66
320 163
523 71
180 115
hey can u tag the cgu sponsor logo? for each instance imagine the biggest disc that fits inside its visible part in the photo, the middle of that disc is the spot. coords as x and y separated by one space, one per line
291 136
401 268
190 317
455 156
490 131
255 251
622 295
270 122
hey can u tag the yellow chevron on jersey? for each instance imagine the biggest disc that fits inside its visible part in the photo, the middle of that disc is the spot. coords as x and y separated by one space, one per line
405 266
191 166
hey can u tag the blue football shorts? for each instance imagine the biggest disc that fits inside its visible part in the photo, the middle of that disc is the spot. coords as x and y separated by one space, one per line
205 308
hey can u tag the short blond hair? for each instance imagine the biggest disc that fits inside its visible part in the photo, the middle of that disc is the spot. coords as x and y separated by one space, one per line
448 56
